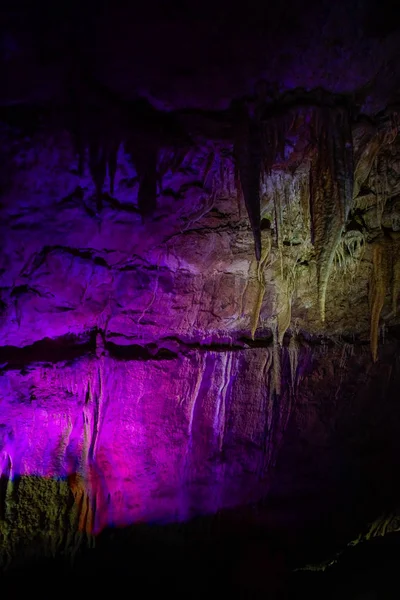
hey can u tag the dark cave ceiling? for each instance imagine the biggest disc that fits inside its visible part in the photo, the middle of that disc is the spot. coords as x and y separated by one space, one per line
187 54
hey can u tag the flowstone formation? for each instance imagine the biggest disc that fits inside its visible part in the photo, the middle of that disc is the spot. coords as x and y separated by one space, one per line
187 299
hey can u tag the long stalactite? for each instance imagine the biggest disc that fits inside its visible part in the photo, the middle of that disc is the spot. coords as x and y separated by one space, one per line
248 156
331 190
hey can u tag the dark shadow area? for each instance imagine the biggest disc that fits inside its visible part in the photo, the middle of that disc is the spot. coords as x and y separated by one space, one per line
65 348
211 557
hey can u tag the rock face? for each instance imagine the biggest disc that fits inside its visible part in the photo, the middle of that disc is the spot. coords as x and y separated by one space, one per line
153 366
131 382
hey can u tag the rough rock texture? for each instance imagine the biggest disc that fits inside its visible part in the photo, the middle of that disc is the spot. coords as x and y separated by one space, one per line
129 372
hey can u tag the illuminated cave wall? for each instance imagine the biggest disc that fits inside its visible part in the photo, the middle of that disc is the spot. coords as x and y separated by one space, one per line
151 367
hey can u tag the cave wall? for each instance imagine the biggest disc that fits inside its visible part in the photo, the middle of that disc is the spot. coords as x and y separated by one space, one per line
143 377
199 271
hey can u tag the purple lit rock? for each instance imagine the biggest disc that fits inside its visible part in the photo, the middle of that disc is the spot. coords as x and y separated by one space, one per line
171 410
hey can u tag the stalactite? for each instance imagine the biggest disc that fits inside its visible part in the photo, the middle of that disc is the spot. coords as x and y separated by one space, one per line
144 155
101 138
112 164
274 131
95 121
343 163
148 131
97 167
248 157
378 287
331 190
328 197
100 121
